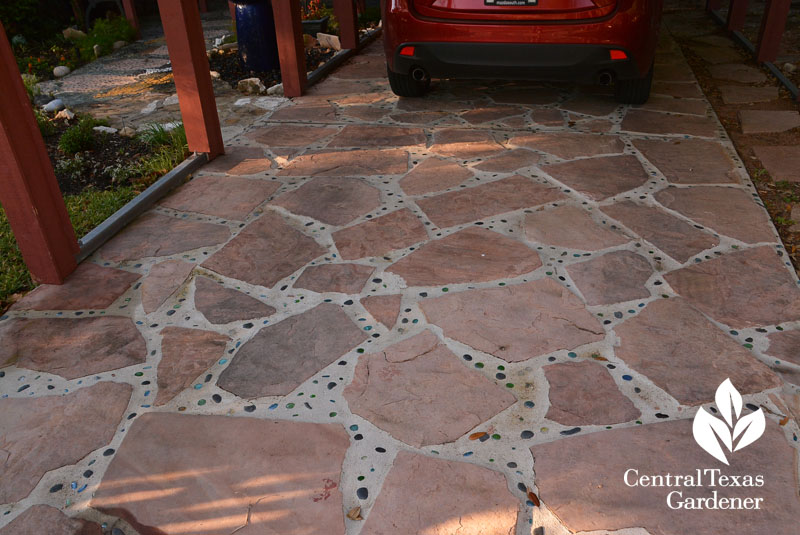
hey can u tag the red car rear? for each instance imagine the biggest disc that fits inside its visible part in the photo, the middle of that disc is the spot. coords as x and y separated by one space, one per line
589 41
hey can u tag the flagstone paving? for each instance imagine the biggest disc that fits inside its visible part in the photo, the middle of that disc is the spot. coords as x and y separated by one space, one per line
469 313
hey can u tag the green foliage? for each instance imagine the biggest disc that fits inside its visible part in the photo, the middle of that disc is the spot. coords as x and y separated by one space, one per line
81 136
105 33
169 149
30 81
44 123
14 276
18 16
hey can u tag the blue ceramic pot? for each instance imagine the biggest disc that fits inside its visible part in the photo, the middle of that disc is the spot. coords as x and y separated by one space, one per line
255 29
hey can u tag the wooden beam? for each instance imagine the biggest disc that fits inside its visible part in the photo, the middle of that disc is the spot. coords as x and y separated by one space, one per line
345 11
29 191
133 18
737 14
187 52
291 51
773 24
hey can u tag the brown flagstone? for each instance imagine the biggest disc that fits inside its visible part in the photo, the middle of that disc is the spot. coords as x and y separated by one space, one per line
782 162
434 174
40 519
689 161
223 305
612 278
290 135
225 197
384 308
185 354
162 281
785 345
737 72
677 89
509 161
369 136
491 113
568 145
465 143
600 178
743 94
343 278
316 113
354 163
570 227
653 122
597 105
332 200
694 106
379 236
768 121
239 160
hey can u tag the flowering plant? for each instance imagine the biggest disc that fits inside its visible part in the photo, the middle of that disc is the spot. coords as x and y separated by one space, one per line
313 10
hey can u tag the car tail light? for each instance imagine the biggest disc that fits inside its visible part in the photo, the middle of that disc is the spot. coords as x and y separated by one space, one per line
618 54
407 51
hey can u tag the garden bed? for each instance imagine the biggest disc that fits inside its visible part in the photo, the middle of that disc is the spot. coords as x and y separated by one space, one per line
231 70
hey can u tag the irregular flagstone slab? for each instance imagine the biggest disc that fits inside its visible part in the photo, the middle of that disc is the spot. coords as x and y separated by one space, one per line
419 117
71 347
384 308
367 136
470 255
600 178
783 163
281 356
437 497
677 348
376 237
225 197
742 94
223 305
335 201
491 113
342 278
530 95
517 322
162 281
741 289
419 392
674 72
729 211
465 143
678 89
434 174
689 161
290 135
547 117
570 227
785 345
737 72
652 122
675 237
597 105
588 492
693 106
41 519
612 278
364 113
471 204
44 433
289 484
266 251
767 121
154 234
239 160
568 145
349 163
318 113
89 287
509 161
185 354
583 393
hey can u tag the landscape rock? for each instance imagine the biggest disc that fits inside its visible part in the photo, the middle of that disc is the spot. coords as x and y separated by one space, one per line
73 34
119 44
329 41
54 105
105 129
65 114
60 71
251 86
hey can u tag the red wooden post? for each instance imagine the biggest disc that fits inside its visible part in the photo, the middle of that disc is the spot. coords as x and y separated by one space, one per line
291 51
345 12
232 9
130 14
28 188
737 15
187 52
772 26
713 5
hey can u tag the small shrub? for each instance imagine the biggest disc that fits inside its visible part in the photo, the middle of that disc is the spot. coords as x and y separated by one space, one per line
73 167
44 123
30 81
105 33
81 136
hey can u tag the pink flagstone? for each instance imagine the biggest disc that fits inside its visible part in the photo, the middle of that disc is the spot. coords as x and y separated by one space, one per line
652 122
568 145
290 135
600 178
493 114
40 519
768 121
434 174
465 143
348 163
224 197
162 281
309 113
689 161
343 278
185 354
612 278
570 227
368 136
384 308
782 162
335 201
223 305
377 237
509 161
591 105
785 345
240 160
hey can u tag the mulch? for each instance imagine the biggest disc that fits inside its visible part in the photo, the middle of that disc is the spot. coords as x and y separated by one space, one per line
231 69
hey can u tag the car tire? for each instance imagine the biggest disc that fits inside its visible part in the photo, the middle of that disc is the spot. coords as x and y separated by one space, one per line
635 90
403 85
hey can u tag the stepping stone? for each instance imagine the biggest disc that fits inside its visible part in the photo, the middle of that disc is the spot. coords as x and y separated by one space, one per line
677 89
768 121
40 519
472 204
583 393
342 278
317 114
153 235
45 433
282 356
239 160
675 105
677 348
673 72
486 114
531 95
737 72
717 55
547 117
418 117
689 161
335 201
89 287
597 105
185 354
434 174
277 249
426 495
729 211
290 135
384 308
600 178
223 305
470 255
567 145
367 136
465 143
52 345
782 163
357 163
743 289
588 492
612 278
378 237
651 122
515 323
364 113
289 483
570 227
742 94
162 281
785 345
225 197
509 161
418 391
675 237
